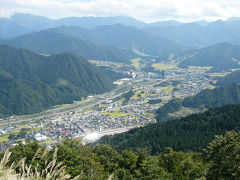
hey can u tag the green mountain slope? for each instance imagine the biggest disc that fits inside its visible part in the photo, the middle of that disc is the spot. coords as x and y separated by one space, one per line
130 37
234 77
204 100
190 133
52 41
30 82
112 43
220 57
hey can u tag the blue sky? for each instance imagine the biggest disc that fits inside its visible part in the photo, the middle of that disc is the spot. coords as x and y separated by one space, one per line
146 10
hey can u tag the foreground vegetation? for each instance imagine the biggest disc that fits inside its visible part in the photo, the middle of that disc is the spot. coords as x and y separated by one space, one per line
72 160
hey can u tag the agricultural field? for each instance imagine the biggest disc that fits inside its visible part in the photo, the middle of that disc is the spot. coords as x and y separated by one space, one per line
184 111
139 94
163 66
4 138
199 68
116 113
167 89
218 74
138 64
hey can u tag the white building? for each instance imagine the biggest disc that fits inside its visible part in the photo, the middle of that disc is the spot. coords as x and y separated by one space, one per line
40 137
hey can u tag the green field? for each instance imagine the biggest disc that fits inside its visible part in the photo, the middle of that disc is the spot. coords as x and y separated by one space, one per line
137 63
117 113
139 94
184 111
163 66
218 74
167 89
199 68
4 138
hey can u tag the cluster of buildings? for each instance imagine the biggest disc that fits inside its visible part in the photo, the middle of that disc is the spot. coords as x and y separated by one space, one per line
110 114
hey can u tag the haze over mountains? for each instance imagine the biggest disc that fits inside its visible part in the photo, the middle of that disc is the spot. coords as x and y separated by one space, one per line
200 34
30 23
121 38
192 35
112 43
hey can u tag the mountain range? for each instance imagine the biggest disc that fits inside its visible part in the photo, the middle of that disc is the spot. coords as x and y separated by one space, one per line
121 39
200 34
112 43
191 35
30 23
31 82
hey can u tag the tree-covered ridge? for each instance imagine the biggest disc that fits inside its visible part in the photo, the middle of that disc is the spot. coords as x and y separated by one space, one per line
30 82
54 41
110 43
72 160
233 77
221 57
204 100
191 133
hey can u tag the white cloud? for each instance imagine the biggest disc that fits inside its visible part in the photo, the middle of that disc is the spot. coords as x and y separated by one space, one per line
148 10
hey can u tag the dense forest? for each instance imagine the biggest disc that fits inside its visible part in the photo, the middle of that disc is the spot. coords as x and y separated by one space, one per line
191 133
206 99
30 82
230 79
72 160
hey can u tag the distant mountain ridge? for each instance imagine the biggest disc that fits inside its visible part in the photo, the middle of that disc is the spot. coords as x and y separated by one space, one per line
26 23
30 82
190 35
9 29
111 43
199 34
52 41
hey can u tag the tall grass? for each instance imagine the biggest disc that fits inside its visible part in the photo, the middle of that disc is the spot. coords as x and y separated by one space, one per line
21 171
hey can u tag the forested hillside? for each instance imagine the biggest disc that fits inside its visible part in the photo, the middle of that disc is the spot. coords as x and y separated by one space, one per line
234 77
204 100
53 41
191 133
30 82
220 57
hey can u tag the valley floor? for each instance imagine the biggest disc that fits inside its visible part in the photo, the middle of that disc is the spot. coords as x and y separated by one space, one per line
131 104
